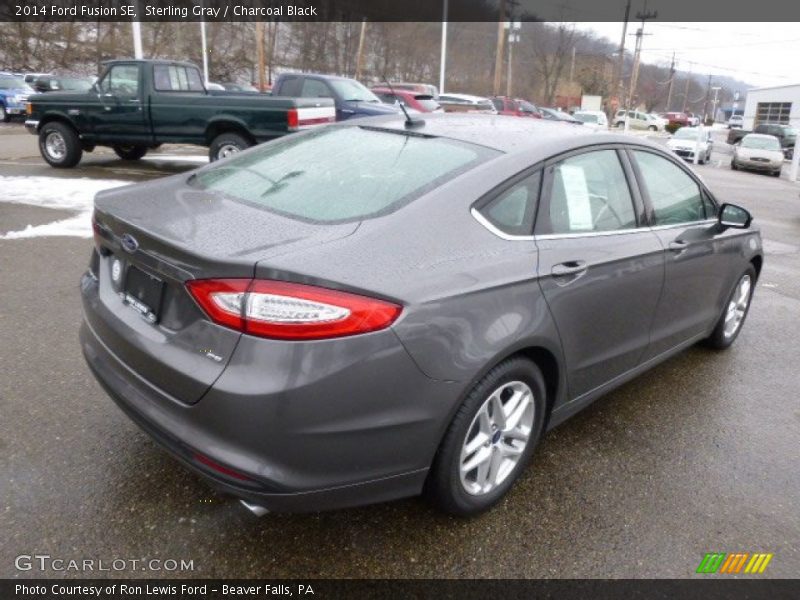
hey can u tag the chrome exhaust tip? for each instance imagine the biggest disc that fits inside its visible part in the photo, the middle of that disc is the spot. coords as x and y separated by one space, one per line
256 509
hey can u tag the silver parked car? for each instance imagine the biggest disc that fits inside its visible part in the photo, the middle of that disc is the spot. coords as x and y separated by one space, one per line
377 309
759 152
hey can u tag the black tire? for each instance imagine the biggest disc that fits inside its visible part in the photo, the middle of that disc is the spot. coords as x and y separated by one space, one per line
621 124
718 340
4 116
652 128
443 486
226 144
131 152
733 165
776 173
71 152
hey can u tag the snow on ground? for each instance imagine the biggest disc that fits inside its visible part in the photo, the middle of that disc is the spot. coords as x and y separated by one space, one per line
55 192
189 158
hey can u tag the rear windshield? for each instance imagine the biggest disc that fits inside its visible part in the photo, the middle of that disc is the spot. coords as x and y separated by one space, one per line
761 143
341 174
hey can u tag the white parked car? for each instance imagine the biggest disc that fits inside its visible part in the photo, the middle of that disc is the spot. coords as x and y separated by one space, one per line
593 119
735 122
684 143
759 152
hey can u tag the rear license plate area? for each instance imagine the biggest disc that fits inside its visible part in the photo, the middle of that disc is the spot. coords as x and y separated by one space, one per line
143 293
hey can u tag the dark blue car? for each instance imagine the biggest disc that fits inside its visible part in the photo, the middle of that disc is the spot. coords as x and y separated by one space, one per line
14 94
352 98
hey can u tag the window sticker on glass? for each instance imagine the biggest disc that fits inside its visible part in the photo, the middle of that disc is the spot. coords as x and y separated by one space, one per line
577 193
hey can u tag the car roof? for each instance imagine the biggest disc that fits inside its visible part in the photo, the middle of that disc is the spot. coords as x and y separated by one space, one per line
468 97
760 136
507 134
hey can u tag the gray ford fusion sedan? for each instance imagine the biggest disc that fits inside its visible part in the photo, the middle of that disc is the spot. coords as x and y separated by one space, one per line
374 310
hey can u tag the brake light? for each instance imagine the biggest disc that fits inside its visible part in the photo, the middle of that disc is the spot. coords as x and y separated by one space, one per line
293 118
290 311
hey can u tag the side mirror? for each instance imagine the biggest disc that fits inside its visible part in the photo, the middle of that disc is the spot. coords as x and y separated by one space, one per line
735 217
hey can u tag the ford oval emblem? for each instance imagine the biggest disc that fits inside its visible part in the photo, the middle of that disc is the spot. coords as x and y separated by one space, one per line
129 243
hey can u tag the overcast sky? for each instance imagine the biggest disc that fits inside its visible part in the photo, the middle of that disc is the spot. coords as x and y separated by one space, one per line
762 54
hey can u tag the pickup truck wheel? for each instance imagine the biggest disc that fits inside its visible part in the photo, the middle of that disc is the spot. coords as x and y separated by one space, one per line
130 152
3 114
227 144
59 145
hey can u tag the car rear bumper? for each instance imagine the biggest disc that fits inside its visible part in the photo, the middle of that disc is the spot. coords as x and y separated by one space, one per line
366 433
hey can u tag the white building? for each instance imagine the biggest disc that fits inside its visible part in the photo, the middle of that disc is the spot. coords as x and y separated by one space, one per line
779 104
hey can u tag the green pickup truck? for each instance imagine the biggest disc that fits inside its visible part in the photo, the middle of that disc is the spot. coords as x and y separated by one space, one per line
137 105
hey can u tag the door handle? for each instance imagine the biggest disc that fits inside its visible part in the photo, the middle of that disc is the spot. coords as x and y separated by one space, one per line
678 246
573 267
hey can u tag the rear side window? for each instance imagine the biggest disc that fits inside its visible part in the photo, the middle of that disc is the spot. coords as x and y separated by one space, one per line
176 78
341 174
290 86
590 193
513 210
314 88
675 196
498 103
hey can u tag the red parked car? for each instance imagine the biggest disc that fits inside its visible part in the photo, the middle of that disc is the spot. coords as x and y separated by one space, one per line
408 98
515 107
677 118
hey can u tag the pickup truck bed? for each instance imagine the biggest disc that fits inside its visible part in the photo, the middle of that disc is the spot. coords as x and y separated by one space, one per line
139 104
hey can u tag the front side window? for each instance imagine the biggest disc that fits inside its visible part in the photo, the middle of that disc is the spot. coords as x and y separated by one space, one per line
341 174
675 196
514 209
590 193
353 91
121 81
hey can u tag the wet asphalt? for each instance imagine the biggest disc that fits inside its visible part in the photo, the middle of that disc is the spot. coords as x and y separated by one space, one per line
698 455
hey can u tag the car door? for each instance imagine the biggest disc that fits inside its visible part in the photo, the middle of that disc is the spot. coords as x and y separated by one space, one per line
600 265
697 258
120 115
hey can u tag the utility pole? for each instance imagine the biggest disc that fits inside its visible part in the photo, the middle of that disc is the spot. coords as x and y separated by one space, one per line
686 89
705 102
443 58
360 48
643 17
513 38
260 49
498 58
572 67
671 81
616 84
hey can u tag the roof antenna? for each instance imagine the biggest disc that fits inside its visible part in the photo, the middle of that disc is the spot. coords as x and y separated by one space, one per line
409 121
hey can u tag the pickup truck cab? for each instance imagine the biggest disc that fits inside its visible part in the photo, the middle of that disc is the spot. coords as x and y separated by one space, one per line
786 134
352 99
14 93
137 105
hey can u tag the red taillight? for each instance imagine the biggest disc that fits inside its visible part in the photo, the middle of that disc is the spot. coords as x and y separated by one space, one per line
293 119
290 311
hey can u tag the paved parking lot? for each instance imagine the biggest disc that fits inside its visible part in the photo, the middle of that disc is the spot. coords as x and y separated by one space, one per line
698 455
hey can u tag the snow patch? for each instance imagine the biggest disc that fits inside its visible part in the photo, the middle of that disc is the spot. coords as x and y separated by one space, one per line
55 192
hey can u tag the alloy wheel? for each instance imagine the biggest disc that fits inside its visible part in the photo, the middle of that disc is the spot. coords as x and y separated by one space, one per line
55 145
737 307
497 437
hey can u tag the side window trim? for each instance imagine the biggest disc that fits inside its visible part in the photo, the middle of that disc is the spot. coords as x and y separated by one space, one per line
499 190
547 187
